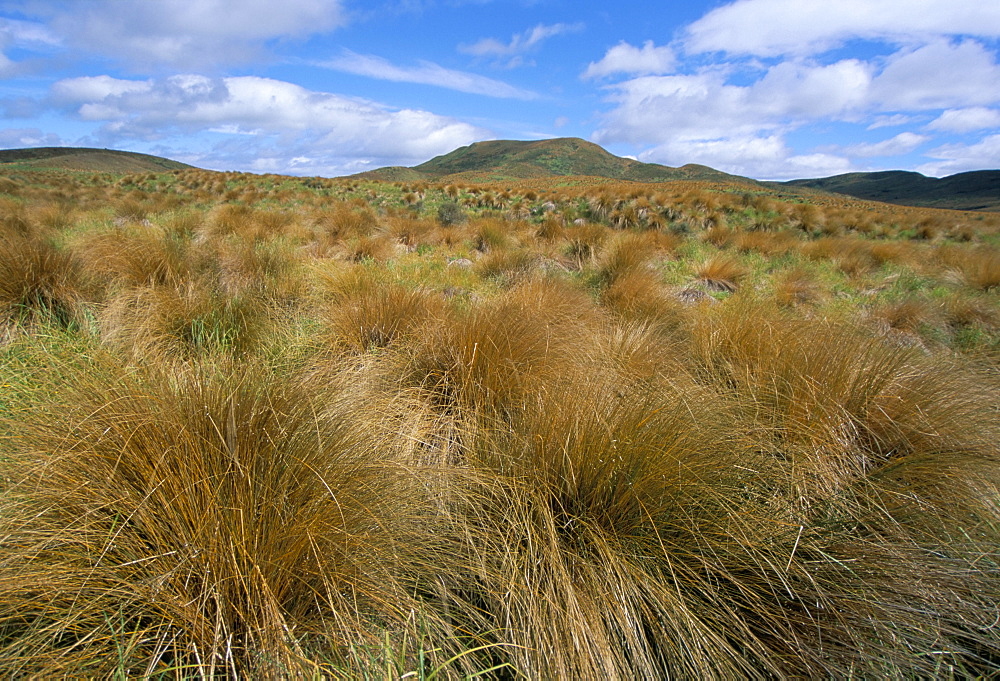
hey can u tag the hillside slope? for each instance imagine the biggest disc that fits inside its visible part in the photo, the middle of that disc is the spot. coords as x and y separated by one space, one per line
566 156
977 190
84 158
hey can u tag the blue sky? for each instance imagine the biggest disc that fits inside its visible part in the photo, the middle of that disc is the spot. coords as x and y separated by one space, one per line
770 89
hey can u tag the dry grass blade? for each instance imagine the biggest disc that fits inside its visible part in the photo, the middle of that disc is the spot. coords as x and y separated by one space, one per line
212 519
38 282
721 273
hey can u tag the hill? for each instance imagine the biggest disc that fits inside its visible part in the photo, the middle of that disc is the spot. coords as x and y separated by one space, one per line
566 156
84 158
978 190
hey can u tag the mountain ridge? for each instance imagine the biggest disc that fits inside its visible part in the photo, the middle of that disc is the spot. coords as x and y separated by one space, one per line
974 190
87 158
504 160
494 160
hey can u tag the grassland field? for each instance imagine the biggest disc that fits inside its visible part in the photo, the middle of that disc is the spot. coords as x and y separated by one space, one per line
260 426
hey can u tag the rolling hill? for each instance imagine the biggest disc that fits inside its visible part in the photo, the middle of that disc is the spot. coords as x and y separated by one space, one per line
567 156
84 158
978 190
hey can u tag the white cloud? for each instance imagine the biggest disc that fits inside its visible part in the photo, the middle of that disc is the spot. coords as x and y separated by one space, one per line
96 88
25 35
903 143
769 28
743 106
11 138
625 58
265 118
938 75
28 34
656 109
520 43
807 90
960 158
187 33
762 158
966 120
653 109
427 73
890 121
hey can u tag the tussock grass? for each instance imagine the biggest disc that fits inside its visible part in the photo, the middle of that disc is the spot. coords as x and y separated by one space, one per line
797 287
183 321
980 268
910 315
965 311
270 270
376 316
840 403
626 253
583 556
132 256
199 524
721 273
507 266
322 433
488 360
490 234
38 282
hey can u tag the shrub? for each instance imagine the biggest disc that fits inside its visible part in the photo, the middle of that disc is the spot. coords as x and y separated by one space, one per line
450 213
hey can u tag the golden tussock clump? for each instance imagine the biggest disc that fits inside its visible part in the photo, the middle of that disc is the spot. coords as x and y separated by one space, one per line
203 523
38 281
721 273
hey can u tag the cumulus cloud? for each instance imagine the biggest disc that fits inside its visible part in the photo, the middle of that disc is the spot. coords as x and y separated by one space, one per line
652 109
966 120
939 75
890 121
274 119
903 143
185 33
25 35
763 158
11 138
520 43
960 158
769 28
917 70
426 73
626 58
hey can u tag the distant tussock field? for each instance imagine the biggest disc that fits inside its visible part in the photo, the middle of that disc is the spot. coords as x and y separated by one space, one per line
260 426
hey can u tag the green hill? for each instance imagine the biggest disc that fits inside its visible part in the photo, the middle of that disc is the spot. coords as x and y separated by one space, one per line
978 190
510 159
83 158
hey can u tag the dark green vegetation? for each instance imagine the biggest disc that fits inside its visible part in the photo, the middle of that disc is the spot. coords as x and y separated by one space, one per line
508 160
266 427
83 158
979 190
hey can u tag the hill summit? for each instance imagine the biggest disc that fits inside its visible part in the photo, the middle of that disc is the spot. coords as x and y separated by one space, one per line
563 156
85 158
